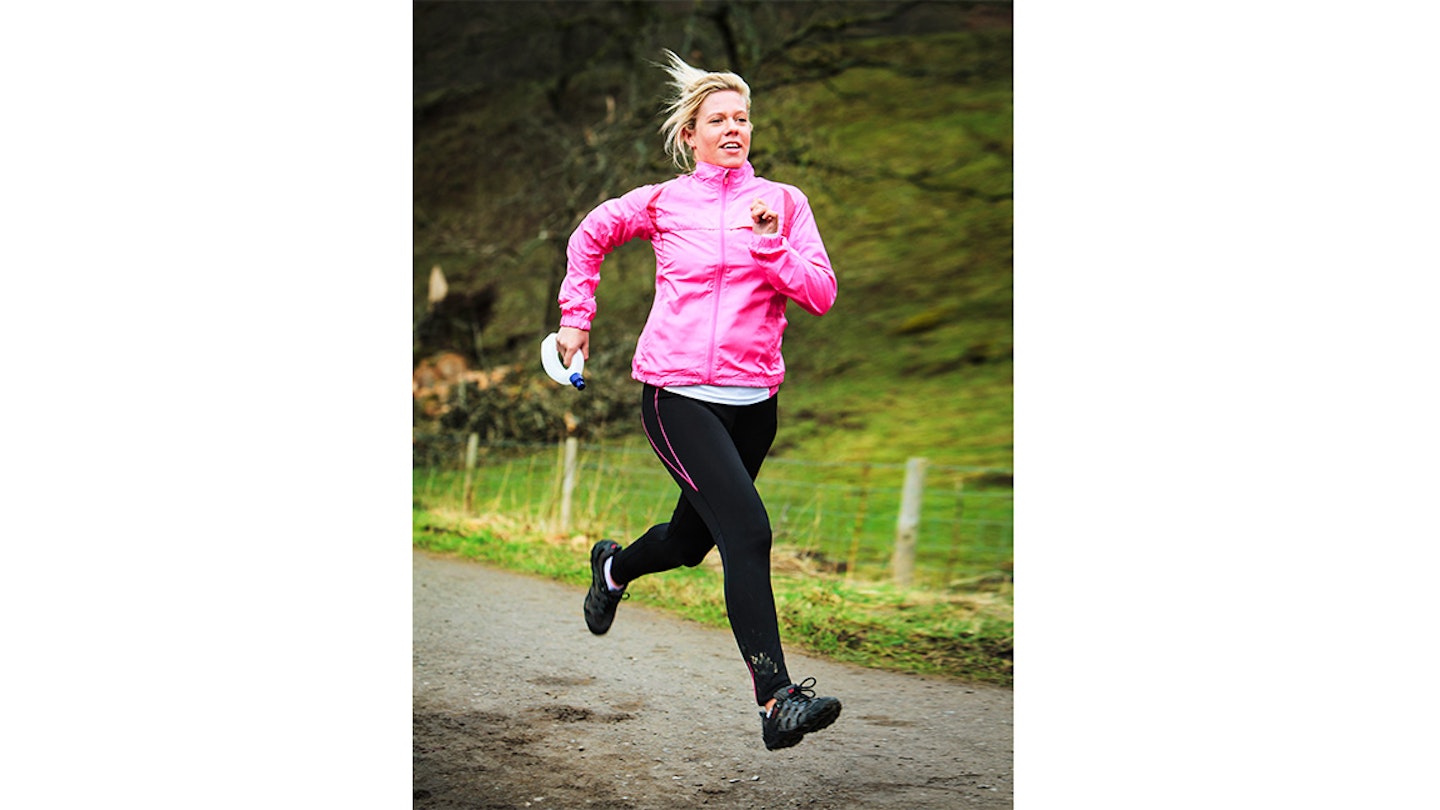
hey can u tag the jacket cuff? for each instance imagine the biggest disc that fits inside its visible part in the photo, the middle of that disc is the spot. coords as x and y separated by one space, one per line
767 243
575 321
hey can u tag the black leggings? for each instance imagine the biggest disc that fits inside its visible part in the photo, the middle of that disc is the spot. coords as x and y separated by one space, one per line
714 453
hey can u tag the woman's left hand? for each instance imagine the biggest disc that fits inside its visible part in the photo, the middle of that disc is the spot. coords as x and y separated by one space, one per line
766 220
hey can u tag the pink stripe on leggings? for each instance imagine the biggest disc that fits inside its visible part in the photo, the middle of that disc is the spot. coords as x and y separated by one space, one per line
675 465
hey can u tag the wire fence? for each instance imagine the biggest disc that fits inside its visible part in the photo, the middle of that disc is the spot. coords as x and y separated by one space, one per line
841 518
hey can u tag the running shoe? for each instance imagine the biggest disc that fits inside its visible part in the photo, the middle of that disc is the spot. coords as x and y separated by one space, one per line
600 601
797 712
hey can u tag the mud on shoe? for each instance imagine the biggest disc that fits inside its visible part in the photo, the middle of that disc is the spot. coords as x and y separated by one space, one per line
797 712
600 601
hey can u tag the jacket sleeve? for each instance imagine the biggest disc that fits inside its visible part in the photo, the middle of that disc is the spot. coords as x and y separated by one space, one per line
798 266
610 225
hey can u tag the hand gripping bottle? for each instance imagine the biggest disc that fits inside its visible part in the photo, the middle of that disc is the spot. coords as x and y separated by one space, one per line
550 358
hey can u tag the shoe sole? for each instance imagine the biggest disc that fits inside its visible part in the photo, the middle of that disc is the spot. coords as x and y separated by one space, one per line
822 718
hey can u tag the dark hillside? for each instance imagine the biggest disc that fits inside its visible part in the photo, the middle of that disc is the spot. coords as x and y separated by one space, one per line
895 118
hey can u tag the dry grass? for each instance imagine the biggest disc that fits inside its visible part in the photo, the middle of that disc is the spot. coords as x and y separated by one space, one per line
968 635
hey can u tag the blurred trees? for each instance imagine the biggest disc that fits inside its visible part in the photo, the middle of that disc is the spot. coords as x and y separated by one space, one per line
528 114
596 134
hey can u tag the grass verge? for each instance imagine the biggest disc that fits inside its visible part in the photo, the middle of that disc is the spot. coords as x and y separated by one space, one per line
965 636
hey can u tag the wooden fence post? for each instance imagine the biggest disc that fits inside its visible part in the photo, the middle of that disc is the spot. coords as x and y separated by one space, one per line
472 450
908 526
567 484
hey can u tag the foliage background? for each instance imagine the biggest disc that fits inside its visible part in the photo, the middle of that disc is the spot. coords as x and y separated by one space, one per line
895 118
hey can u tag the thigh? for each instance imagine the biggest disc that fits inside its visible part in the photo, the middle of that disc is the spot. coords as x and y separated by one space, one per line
753 433
698 445
687 533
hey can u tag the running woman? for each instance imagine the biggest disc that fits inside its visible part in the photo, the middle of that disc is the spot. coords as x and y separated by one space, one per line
731 251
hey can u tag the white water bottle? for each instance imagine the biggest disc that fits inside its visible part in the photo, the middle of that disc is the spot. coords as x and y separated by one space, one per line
550 358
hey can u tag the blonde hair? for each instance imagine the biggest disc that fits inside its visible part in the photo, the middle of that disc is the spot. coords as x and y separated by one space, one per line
691 86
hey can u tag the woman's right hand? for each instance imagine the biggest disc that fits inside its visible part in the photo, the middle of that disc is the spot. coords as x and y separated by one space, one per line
571 340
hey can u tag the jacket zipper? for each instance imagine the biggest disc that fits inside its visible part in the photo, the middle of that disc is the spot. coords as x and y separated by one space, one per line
719 277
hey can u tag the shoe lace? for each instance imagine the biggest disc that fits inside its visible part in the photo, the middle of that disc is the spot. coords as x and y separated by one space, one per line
800 693
792 703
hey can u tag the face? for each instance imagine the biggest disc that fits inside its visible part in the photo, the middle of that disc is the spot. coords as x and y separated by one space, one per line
721 135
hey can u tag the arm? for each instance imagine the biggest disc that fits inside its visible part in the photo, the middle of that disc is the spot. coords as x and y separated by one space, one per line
611 224
797 266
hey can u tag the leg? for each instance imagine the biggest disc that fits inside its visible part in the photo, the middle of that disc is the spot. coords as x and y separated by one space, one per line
685 540
713 453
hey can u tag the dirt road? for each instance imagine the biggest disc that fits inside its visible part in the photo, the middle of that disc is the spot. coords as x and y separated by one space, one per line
517 705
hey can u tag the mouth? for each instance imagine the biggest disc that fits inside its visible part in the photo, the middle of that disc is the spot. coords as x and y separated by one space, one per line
730 145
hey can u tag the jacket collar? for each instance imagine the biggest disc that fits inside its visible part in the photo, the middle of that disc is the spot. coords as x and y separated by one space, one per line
712 175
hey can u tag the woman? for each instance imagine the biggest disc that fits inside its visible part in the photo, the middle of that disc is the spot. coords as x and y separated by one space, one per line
731 249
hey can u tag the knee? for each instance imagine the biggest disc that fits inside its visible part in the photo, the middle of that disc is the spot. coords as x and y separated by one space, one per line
754 540
687 548
692 557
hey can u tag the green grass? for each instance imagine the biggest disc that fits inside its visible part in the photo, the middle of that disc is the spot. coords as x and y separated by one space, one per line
840 517
969 637
834 532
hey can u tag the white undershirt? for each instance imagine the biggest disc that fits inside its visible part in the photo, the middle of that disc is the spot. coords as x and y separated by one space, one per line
722 394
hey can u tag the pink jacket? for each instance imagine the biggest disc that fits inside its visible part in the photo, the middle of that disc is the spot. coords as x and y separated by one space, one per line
720 289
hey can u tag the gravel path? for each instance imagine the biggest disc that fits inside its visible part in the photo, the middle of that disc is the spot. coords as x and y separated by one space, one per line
516 705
